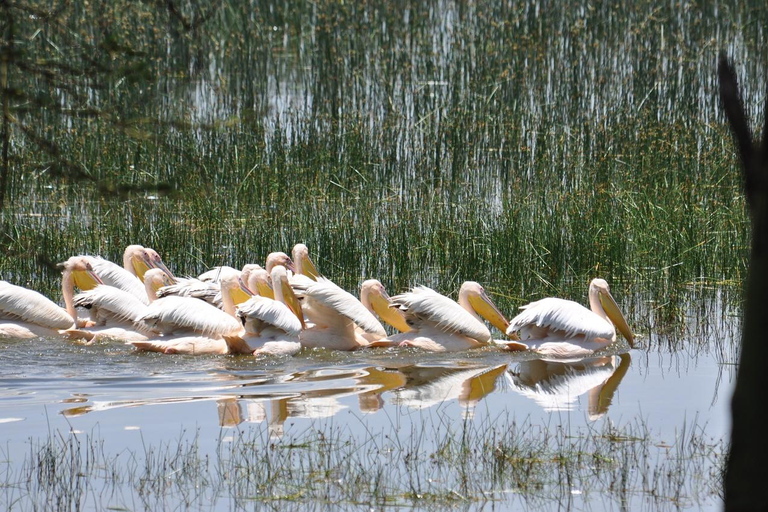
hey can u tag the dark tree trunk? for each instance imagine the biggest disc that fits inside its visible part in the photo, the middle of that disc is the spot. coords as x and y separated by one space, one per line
746 487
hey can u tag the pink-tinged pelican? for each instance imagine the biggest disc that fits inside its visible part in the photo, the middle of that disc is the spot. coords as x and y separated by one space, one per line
440 324
375 298
565 329
138 259
113 311
190 326
303 262
332 316
272 326
27 314
114 275
259 282
77 272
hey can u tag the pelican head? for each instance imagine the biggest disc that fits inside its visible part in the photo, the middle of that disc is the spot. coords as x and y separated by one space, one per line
472 297
155 261
279 258
374 297
258 282
79 269
303 262
136 260
600 299
232 284
154 279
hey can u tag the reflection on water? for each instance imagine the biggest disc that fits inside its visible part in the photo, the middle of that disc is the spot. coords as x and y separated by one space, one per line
318 392
556 386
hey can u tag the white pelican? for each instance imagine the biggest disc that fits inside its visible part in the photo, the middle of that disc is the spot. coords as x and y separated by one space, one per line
565 329
26 313
303 262
209 290
113 311
375 298
189 325
272 326
259 282
77 272
332 316
440 324
114 275
138 259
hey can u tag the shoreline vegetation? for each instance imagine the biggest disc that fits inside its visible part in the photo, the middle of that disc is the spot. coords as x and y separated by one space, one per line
496 462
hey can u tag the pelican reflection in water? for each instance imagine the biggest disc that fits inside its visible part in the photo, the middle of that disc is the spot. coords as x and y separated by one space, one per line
556 386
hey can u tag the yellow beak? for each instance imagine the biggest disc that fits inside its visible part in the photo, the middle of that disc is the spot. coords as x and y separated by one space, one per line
292 302
612 310
392 316
485 307
85 279
308 269
140 266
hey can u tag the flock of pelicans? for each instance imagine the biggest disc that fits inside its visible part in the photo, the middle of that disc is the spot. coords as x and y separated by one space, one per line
287 305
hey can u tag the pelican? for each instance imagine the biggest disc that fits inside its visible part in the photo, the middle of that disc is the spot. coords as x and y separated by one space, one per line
272 326
440 324
113 311
26 313
375 298
188 325
332 316
209 289
565 329
114 275
303 263
77 272
259 281
138 259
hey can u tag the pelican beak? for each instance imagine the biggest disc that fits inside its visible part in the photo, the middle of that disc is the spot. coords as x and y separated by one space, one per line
308 269
391 315
485 307
263 288
292 302
241 293
140 265
612 310
86 279
159 264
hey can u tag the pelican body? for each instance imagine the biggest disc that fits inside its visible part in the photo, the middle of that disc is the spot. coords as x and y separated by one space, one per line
439 324
26 313
335 318
566 329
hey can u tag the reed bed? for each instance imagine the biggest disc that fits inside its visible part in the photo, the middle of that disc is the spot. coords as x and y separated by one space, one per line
497 462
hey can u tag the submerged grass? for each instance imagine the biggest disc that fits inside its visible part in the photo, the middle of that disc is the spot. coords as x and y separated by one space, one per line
465 464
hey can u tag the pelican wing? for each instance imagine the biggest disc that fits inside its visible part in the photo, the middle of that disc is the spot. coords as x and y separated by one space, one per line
112 303
424 305
115 275
327 298
270 312
192 287
19 303
564 316
172 314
